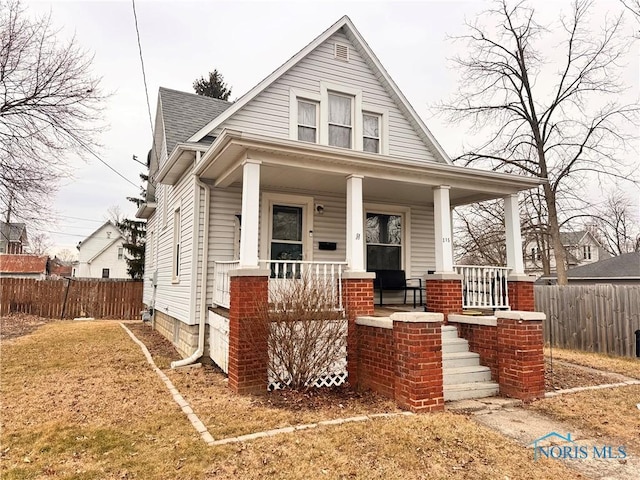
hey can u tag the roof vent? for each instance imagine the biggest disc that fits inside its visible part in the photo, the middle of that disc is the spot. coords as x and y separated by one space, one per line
341 51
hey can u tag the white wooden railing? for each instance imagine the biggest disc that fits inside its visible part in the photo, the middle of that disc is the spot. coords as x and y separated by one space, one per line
484 287
221 289
329 274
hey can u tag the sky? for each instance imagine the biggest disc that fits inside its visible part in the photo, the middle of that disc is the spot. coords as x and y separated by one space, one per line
245 41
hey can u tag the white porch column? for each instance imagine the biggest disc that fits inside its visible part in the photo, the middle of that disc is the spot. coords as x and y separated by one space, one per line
355 223
442 227
513 235
250 214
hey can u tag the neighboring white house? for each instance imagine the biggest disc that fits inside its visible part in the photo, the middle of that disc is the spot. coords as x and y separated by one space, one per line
102 254
324 165
581 247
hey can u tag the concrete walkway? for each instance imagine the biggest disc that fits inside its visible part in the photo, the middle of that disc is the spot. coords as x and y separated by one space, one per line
524 426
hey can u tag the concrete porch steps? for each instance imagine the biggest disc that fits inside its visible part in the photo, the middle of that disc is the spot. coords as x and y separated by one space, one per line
463 376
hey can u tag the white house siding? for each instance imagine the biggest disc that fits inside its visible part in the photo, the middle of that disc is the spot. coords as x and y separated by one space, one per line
174 299
93 245
268 113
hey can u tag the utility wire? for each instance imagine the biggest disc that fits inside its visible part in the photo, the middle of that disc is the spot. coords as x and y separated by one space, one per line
144 75
108 166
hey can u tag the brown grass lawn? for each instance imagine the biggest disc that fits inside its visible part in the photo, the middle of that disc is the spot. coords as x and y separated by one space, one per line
622 365
609 412
79 401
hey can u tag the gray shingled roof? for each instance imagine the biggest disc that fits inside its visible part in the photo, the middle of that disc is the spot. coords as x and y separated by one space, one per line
572 238
185 113
11 232
627 265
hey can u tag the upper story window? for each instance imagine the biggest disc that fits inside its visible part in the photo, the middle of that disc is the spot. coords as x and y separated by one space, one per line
586 252
120 253
340 120
535 254
307 121
338 117
371 132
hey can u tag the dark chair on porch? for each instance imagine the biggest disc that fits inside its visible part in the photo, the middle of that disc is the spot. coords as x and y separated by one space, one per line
396 280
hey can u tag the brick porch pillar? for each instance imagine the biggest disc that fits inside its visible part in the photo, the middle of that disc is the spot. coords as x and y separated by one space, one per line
418 345
521 293
520 354
357 300
248 356
444 293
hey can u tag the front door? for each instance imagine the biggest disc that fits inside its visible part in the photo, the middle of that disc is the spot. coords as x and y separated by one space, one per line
287 232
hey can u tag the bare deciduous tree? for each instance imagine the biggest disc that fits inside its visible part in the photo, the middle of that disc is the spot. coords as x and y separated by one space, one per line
49 102
559 126
39 244
616 228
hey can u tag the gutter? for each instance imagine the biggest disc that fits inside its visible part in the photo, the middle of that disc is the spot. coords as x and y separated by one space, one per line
203 280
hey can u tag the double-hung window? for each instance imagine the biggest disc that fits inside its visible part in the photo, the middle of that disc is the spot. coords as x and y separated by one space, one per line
586 252
384 241
371 132
340 120
307 121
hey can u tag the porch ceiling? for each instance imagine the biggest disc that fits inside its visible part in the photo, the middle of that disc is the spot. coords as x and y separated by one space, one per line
292 165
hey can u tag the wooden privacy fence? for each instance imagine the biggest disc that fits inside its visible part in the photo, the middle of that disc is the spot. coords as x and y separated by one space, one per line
121 299
594 318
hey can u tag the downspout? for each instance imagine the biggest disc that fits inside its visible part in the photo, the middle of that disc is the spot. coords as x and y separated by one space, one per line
203 280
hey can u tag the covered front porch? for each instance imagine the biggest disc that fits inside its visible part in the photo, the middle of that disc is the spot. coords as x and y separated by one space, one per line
325 211
282 211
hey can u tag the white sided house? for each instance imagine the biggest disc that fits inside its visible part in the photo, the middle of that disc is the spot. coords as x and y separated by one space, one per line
323 167
102 254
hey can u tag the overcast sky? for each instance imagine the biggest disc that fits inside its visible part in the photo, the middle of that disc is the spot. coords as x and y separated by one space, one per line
245 41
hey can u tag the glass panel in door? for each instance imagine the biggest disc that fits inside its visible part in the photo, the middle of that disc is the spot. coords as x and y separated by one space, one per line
286 240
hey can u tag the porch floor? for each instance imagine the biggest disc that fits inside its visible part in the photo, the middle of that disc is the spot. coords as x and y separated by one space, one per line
386 310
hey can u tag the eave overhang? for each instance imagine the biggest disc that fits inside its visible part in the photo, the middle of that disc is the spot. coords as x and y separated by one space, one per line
146 210
222 163
181 158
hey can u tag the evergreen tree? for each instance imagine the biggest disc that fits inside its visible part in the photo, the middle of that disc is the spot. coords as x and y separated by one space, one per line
213 86
135 232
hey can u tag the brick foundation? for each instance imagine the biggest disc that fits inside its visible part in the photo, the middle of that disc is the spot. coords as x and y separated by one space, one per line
521 296
444 295
376 357
248 357
357 300
520 358
401 358
418 353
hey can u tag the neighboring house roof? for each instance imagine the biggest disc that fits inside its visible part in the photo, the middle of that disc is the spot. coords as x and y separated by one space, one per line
12 232
59 267
23 263
626 265
367 54
184 114
106 247
572 238
108 222
622 267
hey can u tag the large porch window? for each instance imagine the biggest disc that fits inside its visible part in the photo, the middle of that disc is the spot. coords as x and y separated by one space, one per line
384 241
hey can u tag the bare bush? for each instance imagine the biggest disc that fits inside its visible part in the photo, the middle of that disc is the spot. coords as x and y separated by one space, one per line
307 333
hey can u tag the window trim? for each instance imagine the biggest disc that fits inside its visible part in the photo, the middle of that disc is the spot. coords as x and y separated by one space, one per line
356 112
270 199
317 125
295 95
405 245
177 243
322 100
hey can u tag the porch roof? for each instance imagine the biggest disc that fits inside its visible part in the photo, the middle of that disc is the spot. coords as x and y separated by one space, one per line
323 168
